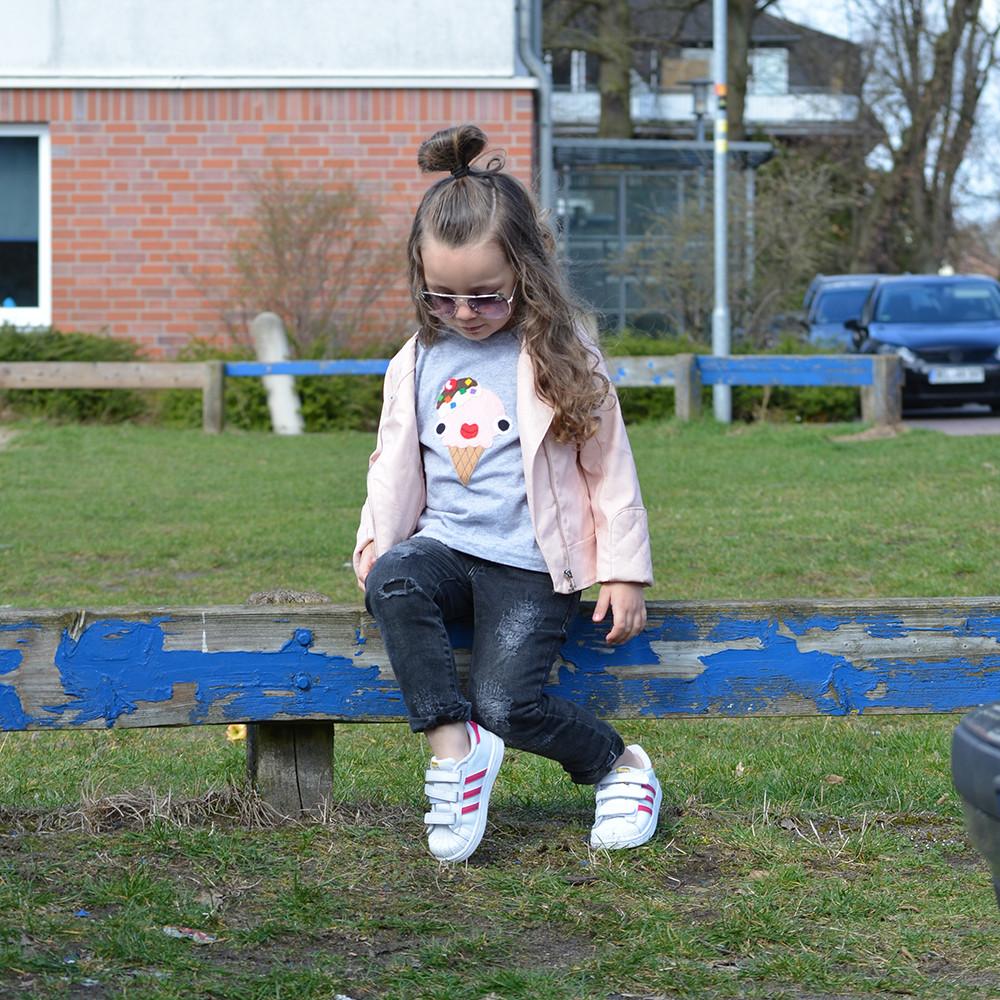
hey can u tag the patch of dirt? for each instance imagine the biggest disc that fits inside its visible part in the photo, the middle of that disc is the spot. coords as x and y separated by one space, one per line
6 436
880 432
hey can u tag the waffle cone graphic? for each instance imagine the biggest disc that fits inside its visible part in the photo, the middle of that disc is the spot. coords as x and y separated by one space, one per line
465 461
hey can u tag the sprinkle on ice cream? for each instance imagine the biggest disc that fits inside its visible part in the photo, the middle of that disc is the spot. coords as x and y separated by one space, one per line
469 418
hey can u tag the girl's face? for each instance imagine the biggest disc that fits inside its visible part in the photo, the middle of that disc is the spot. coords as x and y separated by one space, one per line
473 269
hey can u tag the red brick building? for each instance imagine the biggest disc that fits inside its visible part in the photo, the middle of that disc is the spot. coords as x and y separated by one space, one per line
124 184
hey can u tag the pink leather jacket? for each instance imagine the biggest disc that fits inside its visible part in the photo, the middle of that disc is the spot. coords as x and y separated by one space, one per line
585 503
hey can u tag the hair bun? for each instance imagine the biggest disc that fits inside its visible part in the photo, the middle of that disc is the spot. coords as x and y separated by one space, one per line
451 149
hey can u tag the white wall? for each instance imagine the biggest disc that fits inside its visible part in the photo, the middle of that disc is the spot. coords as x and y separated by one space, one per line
394 39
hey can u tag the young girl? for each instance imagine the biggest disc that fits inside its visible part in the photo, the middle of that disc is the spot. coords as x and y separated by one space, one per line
501 486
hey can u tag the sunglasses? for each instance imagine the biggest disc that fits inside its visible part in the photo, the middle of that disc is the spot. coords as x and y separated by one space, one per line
491 307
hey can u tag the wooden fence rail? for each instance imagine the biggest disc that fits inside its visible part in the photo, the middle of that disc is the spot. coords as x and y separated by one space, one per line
299 669
880 377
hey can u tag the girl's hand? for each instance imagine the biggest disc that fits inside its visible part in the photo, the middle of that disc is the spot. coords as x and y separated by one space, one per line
365 562
628 610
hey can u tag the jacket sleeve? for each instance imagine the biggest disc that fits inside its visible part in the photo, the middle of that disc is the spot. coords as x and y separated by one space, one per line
366 529
620 521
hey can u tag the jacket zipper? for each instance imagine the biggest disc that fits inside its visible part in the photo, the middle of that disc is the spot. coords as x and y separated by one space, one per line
567 573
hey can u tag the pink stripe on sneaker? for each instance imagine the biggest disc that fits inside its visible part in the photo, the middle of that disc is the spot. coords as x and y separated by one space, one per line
476 776
646 809
475 729
650 788
470 809
475 791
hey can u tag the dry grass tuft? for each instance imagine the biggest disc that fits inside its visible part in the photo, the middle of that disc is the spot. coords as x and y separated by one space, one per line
231 806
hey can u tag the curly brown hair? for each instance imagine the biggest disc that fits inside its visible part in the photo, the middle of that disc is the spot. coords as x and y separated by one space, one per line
481 203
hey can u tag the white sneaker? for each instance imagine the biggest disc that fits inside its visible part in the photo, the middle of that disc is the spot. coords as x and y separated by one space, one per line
628 805
459 794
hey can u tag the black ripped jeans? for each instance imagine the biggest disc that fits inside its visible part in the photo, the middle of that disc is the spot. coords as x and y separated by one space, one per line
519 625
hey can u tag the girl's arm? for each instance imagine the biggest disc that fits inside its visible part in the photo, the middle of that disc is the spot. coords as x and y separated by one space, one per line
620 521
623 556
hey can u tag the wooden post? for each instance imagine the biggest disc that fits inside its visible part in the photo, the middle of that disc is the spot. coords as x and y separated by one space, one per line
291 765
882 401
687 387
213 398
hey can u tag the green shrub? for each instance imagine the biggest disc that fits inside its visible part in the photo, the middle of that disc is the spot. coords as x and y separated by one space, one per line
70 405
815 404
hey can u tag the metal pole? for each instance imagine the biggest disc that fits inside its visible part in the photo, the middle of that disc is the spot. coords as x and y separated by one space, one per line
751 236
721 394
529 34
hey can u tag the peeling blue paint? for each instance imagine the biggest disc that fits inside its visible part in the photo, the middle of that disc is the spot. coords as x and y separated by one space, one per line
733 629
984 625
115 665
10 659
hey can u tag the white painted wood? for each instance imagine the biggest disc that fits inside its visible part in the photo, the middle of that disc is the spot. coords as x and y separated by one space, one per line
271 345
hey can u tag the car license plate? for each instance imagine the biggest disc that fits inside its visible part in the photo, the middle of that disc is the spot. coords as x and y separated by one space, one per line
957 375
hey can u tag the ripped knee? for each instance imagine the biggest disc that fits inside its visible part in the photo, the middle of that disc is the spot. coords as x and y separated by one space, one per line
396 587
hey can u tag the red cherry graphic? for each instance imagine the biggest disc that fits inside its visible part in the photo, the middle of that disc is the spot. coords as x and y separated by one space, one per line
469 430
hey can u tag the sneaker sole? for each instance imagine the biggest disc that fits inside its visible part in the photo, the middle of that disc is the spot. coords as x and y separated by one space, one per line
493 769
639 839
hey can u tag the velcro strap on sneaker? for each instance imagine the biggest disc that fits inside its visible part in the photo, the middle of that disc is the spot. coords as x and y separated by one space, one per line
441 794
438 774
623 791
606 810
438 817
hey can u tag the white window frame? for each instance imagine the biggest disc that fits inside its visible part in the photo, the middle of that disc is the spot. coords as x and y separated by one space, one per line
40 315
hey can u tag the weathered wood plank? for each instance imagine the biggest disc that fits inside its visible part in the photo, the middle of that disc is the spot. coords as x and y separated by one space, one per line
156 667
687 387
101 375
213 398
786 369
291 764
656 370
882 401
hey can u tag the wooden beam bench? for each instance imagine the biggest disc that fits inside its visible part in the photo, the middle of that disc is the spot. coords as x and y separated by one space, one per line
297 670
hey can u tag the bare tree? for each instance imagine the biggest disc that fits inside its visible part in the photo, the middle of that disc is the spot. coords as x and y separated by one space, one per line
740 15
930 60
611 30
315 255
796 234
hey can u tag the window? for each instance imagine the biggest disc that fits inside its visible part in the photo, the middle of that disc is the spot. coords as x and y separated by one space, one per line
25 225
573 70
768 72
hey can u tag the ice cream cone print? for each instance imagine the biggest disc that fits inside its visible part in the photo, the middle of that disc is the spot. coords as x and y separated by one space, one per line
465 461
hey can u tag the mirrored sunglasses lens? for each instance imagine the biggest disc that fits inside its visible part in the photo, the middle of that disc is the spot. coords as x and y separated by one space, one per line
440 305
494 307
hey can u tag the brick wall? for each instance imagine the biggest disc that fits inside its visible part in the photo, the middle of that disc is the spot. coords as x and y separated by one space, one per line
147 186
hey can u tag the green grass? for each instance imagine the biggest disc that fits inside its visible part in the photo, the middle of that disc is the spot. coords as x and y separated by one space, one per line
797 858
129 514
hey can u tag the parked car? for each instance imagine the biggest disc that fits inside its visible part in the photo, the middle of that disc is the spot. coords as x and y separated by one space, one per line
946 331
830 301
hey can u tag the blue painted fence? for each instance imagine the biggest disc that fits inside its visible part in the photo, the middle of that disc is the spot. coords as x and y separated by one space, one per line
189 666
849 370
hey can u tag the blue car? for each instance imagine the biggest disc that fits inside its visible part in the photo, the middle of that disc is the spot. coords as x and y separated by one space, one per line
830 301
946 331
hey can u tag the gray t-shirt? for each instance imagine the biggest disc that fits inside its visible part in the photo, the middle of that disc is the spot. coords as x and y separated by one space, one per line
467 417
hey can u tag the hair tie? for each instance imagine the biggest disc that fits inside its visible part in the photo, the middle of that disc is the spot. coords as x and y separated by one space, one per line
462 171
